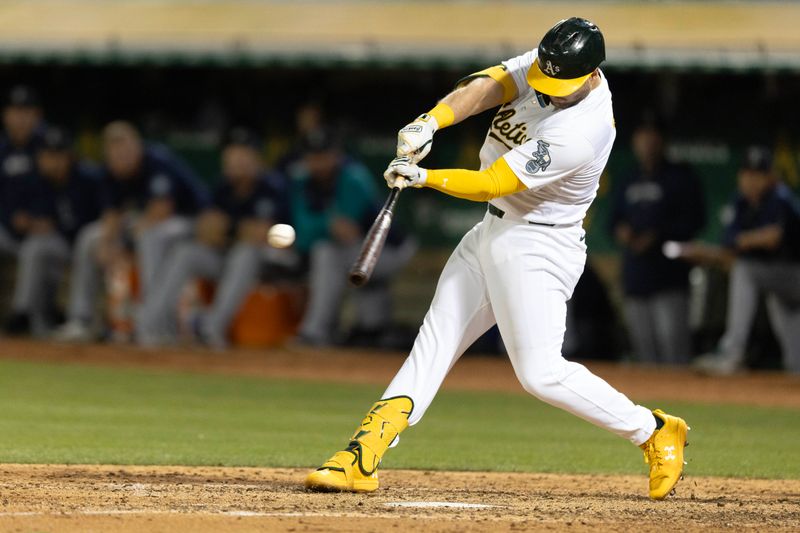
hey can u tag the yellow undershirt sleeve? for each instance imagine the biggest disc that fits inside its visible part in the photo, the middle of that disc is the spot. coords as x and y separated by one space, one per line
477 185
499 74
443 114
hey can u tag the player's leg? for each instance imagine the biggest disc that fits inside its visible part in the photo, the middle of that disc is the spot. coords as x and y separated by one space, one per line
785 321
639 321
157 317
8 245
40 263
743 294
373 302
327 280
530 274
459 314
533 327
670 311
85 280
239 276
783 306
152 248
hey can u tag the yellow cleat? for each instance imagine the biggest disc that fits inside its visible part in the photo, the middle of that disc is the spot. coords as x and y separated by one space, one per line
355 469
342 473
663 451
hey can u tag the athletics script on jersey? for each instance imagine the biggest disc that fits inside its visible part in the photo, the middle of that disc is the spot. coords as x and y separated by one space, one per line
508 134
505 131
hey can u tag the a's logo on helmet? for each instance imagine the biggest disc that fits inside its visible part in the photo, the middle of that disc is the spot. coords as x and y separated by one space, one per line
540 159
551 69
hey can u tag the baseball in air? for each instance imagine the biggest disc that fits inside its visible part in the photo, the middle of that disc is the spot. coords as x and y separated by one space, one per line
672 249
280 236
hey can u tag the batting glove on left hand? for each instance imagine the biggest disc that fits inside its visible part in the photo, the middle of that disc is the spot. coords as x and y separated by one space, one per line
415 140
402 173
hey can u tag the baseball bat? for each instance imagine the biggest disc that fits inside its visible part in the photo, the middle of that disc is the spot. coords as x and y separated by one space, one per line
362 269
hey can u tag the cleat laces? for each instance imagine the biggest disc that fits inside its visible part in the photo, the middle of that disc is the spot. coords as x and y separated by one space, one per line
652 456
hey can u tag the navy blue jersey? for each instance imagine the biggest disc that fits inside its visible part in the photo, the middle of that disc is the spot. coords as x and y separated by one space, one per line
17 171
778 207
267 201
72 204
19 161
669 204
161 176
351 195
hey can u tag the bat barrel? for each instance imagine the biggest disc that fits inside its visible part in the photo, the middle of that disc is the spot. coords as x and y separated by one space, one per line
362 269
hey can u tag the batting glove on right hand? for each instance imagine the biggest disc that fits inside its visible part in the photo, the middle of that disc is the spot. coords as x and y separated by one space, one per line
402 173
415 140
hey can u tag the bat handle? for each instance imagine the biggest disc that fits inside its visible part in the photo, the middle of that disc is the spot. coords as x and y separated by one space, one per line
391 201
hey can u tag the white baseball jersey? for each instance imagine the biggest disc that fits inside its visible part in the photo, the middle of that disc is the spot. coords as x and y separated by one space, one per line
558 153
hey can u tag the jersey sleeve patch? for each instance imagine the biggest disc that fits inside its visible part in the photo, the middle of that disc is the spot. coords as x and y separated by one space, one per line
540 159
549 158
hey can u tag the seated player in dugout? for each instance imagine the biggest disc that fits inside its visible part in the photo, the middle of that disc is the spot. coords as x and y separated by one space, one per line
66 196
334 201
229 247
540 167
149 199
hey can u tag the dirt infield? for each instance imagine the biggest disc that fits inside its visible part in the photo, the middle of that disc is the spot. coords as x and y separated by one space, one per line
128 499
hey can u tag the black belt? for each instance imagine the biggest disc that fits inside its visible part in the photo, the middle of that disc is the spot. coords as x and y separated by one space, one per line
499 213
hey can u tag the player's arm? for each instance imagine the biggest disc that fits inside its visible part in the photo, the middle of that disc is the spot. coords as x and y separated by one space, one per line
473 95
477 185
764 238
212 227
535 164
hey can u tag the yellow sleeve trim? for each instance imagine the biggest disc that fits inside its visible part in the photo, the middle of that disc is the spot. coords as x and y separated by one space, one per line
498 73
443 114
479 186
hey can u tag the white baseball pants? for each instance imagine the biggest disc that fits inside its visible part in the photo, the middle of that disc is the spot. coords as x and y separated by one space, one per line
520 276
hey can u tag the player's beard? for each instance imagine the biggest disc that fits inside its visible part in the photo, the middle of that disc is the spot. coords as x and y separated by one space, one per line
565 102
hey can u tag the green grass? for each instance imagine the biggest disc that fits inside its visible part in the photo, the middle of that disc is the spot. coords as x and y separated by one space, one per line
53 413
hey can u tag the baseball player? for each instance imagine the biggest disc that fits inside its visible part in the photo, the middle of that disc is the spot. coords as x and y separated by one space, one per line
228 247
540 166
333 201
657 201
150 196
66 197
20 139
764 238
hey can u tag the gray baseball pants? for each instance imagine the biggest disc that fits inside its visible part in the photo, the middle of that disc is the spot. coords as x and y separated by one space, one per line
41 262
658 326
330 263
780 282
8 245
237 272
152 247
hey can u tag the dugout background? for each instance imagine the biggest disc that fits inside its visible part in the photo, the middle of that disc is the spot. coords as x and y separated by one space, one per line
720 75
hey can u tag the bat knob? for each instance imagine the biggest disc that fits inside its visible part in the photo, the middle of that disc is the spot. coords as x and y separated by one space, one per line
357 278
